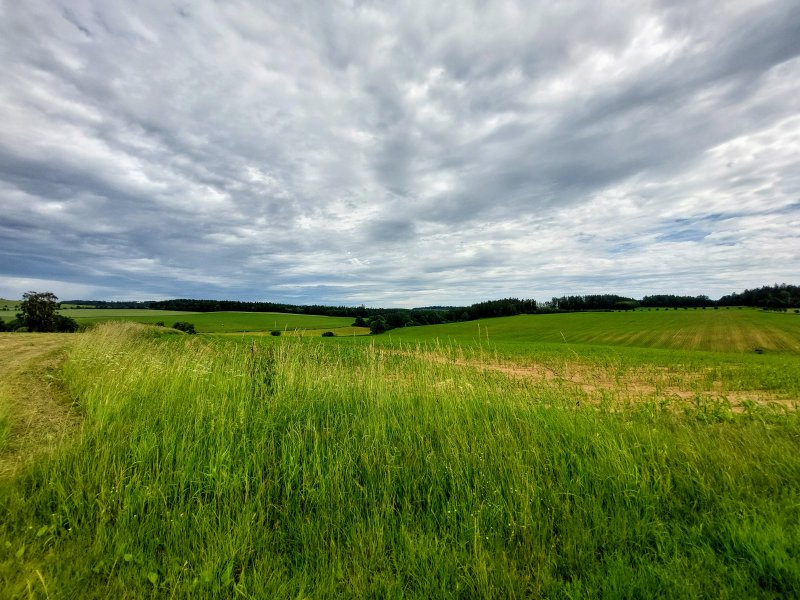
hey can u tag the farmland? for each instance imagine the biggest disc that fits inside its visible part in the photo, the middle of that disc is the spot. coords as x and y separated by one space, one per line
575 455
213 322
743 330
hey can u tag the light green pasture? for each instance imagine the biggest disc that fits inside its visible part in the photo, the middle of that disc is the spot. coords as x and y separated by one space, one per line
216 322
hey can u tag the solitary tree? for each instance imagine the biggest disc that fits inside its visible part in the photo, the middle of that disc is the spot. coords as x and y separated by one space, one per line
38 311
377 325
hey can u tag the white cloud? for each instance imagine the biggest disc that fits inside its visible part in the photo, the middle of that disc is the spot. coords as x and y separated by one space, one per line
405 153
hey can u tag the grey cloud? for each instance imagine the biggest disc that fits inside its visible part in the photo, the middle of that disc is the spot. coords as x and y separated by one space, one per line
381 152
390 230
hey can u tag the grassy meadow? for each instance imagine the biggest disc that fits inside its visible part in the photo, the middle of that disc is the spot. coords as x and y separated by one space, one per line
212 322
449 461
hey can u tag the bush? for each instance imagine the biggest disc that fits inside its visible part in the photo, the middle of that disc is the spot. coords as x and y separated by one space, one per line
64 324
14 325
275 332
328 334
184 326
160 324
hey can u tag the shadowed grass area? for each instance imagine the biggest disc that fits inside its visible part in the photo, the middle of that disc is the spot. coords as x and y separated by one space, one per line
294 467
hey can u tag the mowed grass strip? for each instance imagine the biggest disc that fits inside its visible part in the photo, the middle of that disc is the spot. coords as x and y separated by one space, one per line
720 330
293 467
35 412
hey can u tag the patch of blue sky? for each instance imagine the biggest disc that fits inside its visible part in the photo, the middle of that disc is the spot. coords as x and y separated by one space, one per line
683 235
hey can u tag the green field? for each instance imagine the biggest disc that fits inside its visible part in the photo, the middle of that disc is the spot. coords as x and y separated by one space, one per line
8 305
8 308
716 330
563 456
214 322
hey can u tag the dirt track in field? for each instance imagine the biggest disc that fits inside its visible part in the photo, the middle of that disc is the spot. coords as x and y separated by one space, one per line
35 411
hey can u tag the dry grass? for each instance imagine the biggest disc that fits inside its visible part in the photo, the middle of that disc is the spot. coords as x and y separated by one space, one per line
35 411
598 383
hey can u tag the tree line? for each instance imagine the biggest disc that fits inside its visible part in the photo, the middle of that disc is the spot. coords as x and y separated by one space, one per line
774 297
38 311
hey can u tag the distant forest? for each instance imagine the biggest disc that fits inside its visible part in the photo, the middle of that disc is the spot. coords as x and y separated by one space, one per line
775 297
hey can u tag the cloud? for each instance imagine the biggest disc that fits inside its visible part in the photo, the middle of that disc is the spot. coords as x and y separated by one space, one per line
404 153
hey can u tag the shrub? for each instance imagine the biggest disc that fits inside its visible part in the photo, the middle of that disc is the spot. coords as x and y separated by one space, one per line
327 334
64 324
14 325
160 324
275 332
184 326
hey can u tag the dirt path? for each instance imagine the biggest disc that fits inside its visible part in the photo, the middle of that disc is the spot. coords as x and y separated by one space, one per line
34 408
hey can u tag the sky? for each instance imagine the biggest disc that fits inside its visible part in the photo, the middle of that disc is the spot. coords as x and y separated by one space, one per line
398 153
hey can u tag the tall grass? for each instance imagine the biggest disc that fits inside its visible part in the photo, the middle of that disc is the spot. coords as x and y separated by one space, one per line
288 467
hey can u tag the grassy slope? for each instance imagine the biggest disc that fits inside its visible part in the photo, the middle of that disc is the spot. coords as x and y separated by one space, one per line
287 467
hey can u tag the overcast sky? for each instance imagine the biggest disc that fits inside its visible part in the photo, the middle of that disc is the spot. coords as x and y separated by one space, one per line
398 153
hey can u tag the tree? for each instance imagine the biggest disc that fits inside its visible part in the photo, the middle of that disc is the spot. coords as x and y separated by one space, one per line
38 311
377 325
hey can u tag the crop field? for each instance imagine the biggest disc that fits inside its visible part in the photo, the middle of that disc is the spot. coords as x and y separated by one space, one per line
445 461
742 330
